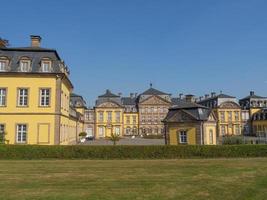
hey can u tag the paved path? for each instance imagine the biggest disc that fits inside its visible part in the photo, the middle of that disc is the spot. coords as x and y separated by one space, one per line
127 141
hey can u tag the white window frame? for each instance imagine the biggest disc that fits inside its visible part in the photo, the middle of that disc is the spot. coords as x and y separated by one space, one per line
101 116
45 97
23 96
109 117
21 133
211 136
101 131
2 131
183 137
118 116
117 131
24 65
3 65
46 66
3 96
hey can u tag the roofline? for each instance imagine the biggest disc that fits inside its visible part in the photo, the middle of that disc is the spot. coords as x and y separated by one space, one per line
30 50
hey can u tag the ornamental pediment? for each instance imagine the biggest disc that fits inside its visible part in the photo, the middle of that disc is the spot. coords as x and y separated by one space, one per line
229 104
154 100
108 105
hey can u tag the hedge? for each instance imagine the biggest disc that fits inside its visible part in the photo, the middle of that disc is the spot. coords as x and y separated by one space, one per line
130 152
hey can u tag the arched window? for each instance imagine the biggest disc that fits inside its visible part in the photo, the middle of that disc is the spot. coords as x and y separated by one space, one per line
24 64
46 64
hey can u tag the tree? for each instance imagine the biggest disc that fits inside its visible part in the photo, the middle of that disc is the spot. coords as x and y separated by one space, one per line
114 138
2 137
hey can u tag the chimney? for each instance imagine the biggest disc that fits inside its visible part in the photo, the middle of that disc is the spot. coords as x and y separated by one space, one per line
189 97
180 95
35 40
207 96
3 43
252 93
200 98
213 94
131 95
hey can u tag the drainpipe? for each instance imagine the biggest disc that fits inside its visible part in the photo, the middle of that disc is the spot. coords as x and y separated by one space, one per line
201 133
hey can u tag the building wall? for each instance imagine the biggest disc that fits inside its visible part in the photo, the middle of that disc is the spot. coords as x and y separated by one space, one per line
174 135
130 125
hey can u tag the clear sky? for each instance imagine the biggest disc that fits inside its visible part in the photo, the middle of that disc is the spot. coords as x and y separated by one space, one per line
181 46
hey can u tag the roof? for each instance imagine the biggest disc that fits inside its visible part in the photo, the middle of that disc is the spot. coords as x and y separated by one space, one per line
223 96
153 91
108 94
77 100
129 100
181 103
35 54
253 97
192 112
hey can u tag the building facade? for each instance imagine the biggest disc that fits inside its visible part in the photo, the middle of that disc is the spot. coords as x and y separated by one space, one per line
34 96
259 123
227 112
190 123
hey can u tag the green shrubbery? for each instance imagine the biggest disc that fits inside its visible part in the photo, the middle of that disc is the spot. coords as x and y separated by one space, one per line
232 140
130 152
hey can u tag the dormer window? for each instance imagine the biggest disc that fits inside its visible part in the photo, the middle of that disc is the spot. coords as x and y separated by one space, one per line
2 66
25 65
46 65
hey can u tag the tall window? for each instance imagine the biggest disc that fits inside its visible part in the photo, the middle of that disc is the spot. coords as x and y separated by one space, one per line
24 65
117 130
44 97
236 116
101 131
183 137
2 96
23 97
127 119
21 133
109 116
229 116
222 116
211 136
223 129
2 133
101 116
118 116
2 66
134 119
46 66
237 130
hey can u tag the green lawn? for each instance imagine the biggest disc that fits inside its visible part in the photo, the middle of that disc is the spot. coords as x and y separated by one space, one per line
134 179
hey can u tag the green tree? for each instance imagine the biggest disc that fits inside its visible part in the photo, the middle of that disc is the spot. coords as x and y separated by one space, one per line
114 138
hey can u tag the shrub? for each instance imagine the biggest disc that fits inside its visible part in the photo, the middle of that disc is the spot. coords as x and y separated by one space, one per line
82 134
153 136
130 152
232 140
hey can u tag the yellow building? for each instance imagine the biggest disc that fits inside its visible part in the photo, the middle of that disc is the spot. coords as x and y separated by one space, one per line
34 97
259 123
190 123
227 111
108 115
130 115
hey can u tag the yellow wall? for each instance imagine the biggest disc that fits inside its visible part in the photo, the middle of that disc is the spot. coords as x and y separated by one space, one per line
130 124
210 140
259 127
174 135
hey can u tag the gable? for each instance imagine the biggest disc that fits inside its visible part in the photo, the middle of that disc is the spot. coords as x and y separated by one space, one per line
181 116
229 104
108 105
155 100
212 117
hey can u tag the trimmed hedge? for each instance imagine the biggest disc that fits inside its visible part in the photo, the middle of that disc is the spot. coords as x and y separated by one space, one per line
130 152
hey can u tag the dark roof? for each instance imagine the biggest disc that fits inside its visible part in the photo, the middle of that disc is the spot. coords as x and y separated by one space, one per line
35 54
77 101
128 100
217 96
193 112
253 97
181 103
108 94
153 91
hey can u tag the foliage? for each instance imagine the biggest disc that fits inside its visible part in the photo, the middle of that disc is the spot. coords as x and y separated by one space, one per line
2 138
114 138
82 134
153 136
130 152
232 140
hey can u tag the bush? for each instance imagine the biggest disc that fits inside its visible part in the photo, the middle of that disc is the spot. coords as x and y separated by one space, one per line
82 134
232 140
153 136
130 152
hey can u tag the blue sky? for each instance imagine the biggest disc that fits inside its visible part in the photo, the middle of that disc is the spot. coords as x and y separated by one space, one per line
181 46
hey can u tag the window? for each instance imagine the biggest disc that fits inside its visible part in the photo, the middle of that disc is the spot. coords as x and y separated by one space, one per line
229 116
236 116
223 129
24 65
2 66
101 116
237 130
44 97
134 119
143 119
222 116
21 133
2 97
117 130
211 136
109 116
46 66
155 109
127 119
2 133
118 116
183 137
101 132
22 97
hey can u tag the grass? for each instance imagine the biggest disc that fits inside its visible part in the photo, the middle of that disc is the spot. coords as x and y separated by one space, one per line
134 179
